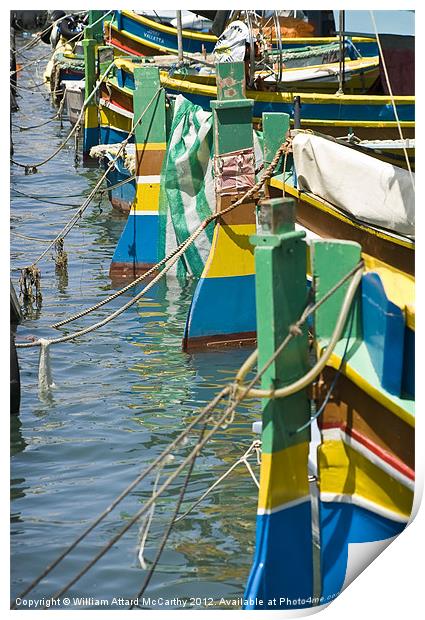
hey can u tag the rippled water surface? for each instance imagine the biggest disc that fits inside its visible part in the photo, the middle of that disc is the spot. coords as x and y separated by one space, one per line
121 395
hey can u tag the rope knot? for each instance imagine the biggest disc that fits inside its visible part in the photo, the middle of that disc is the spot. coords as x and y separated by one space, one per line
295 330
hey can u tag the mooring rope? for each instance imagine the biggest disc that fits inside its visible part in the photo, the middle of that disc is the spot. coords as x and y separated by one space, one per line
46 199
38 36
57 116
253 448
236 393
62 46
171 523
75 218
185 244
31 168
202 416
295 330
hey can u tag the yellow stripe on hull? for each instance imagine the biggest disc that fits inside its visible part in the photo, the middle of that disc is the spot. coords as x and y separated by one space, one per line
147 197
288 97
109 118
280 476
327 208
343 471
335 362
189 34
231 252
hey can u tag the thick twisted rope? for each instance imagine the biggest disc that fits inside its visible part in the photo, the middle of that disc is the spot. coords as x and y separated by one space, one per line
225 418
185 244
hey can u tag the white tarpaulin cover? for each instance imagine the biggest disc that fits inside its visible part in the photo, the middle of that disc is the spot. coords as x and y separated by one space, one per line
369 189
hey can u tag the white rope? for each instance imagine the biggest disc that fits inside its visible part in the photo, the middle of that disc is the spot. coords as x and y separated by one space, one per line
254 447
400 131
146 524
45 380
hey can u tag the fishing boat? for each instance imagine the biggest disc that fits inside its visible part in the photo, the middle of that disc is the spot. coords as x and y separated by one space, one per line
321 75
378 212
369 116
137 34
360 494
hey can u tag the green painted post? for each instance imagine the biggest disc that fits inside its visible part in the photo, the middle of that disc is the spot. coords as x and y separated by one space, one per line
228 274
283 564
331 261
91 121
139 246
97 28
275 132
232 112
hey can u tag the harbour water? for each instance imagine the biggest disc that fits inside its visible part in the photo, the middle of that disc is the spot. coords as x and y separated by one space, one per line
121 395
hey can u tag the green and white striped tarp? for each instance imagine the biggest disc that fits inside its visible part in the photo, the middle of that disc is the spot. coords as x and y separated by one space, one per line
187 194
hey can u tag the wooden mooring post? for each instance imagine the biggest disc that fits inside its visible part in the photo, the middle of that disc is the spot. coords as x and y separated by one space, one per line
223 308
282 572
138 248
91 119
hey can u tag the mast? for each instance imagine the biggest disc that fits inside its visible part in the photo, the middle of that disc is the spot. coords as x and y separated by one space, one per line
179 36
341 53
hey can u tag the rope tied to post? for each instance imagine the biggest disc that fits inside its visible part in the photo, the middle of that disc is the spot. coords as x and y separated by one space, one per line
30 285
185 244
205 416
166 263
61 257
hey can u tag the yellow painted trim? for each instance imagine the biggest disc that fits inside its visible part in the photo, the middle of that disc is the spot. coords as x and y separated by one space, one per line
283 476
147 197
343 470
112 119
328 208
126 63
231 253
170 30
208 37
146 43
288 97
351 374
399 287
151 146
